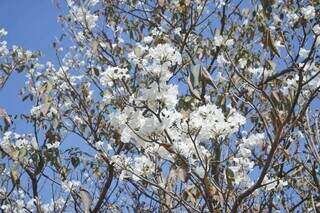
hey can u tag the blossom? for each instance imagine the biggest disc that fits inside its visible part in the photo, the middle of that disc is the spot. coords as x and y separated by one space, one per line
221 60
165 52
3 48
256 71
253 140
93 2
3 32
70 185
126 135
142 166
304 53
316 29
129 102
212 122
242 164
112 74
273 184
167 95
308 12
242 62
218 40
229 42
83 16
292 18
148 39
55 145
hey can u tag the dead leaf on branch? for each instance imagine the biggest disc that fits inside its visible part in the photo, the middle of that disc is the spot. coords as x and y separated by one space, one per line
269 43
6 118
198 78
168 147
86 200
206 77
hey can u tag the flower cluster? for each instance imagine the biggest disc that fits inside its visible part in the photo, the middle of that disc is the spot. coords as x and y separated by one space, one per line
212 123
242 163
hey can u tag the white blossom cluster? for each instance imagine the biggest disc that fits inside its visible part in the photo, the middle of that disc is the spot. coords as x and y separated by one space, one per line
151 118
82 15
242 164
18 146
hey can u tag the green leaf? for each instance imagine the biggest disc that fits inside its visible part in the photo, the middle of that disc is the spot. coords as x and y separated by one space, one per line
64 173
38 161
195 76
138 51
6 68
75 161
22 153
95 71
230 177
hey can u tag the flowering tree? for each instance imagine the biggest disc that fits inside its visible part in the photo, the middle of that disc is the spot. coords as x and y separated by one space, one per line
168 106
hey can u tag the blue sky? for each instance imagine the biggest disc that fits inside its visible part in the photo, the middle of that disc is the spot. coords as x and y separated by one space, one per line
31 24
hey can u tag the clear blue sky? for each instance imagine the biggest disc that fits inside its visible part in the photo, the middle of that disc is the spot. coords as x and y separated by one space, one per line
31 24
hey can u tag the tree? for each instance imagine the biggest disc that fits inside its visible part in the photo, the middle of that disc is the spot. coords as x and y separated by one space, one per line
168 106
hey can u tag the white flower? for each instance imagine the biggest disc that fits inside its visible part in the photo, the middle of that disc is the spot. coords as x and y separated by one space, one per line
212 122
3 32
35 111
256 71
99 144
242 63
142 166
304 53
56 144
6 208
93 2
70 185
271 185
126 135
177 30
316 29
30 203
218 40
111 74
229 42
308 12
221 3
20 205
165 52
148 39
278 44
83 16
292 18
221 60
253 140
166 94
3 48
